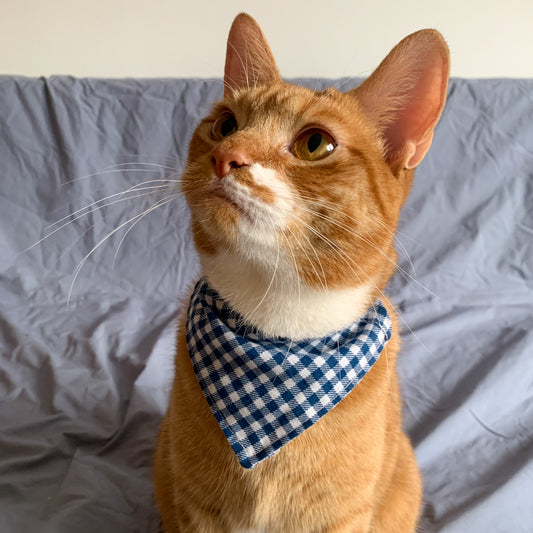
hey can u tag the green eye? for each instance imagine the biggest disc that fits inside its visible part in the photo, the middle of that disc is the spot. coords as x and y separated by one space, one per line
224 125
312 145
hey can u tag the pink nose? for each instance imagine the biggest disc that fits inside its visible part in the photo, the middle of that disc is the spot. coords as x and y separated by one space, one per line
224 161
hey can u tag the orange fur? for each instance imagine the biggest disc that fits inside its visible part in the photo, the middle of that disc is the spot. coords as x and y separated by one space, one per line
354 470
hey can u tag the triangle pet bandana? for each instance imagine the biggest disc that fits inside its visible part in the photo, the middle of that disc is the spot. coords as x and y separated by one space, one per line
264 392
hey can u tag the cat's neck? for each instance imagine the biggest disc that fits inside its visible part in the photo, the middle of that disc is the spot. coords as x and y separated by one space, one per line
281 305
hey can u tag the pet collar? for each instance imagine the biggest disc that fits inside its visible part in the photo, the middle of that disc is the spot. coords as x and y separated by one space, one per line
263 391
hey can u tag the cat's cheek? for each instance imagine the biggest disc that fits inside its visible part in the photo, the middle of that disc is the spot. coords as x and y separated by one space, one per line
203 240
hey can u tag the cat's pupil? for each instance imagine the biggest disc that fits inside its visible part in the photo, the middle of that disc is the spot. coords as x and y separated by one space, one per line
314 142
228 126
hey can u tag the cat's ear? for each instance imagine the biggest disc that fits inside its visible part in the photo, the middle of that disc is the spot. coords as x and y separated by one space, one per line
249 61
405 96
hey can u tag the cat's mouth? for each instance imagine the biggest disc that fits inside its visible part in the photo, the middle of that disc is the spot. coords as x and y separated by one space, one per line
232 197
239 202
221 193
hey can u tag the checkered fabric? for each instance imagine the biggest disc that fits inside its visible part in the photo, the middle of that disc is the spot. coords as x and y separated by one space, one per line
264 392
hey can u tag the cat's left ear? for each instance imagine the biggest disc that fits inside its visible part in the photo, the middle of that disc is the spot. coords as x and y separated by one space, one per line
249 61
406 94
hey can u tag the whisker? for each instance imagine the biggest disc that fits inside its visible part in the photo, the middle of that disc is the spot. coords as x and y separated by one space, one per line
135 188
302 247
340 254
332 245
333 207
325 284
177 158
131 227
81 216
289 248
158 165
111 171
400 269
84 260
382 294
299 294
270 284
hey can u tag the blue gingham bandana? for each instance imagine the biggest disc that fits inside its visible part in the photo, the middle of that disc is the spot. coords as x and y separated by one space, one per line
264 392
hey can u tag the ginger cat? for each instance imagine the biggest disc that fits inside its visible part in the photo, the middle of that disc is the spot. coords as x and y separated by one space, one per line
295 196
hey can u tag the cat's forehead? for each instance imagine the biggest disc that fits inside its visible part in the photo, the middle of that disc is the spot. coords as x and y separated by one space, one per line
286 101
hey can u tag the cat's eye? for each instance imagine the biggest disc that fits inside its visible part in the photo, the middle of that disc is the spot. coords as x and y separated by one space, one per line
313 144
224 125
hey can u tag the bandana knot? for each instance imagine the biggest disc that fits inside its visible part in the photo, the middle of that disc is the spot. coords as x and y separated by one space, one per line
264 391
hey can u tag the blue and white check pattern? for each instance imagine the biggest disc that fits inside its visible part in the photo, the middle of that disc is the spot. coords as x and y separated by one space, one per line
264 392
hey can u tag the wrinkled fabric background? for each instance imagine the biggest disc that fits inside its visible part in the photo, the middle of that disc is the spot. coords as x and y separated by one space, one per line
84 381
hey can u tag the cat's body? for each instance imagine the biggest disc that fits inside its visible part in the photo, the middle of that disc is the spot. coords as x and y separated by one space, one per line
295 196
332 478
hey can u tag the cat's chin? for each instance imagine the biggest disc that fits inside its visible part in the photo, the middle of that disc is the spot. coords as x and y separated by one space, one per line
225 201
230 227
229 204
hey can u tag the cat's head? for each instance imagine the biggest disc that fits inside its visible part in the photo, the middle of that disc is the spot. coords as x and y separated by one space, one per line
287 181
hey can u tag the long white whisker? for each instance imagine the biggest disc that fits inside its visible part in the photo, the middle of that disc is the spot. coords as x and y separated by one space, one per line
338 251
132 226
289 248
295 264
340 254
367 241
83 261
112 171
135 188
332 245
177 158
157 165
81 216
271 282
333 207
302 247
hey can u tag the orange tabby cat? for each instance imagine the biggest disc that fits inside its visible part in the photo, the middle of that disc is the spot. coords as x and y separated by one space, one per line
295 196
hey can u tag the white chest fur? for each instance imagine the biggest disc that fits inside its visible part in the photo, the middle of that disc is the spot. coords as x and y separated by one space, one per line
280 305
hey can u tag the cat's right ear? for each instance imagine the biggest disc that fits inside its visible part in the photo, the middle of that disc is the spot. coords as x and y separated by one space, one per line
249 61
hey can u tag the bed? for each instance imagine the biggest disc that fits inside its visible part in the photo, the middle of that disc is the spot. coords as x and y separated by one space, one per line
92 278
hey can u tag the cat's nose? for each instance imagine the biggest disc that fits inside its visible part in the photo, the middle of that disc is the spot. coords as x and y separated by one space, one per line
224 161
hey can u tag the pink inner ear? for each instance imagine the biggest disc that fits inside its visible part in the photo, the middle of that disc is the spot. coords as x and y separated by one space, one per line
411 133
236 57
406 94
249 61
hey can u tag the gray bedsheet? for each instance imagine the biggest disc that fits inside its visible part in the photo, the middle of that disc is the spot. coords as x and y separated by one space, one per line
86 337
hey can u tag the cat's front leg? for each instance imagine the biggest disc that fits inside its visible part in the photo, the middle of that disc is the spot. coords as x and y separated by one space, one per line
399 511
194 522
362 525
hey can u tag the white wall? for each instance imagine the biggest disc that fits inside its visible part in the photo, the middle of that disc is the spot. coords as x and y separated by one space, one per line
319 38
